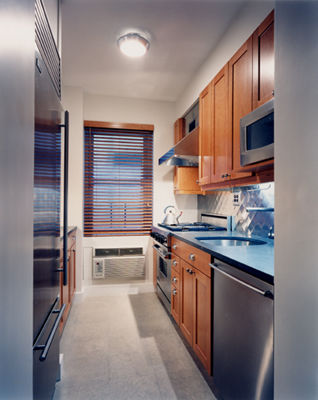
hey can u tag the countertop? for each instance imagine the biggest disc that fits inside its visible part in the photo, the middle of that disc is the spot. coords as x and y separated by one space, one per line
257 260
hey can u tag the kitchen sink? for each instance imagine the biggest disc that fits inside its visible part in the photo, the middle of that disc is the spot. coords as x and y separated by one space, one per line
230 241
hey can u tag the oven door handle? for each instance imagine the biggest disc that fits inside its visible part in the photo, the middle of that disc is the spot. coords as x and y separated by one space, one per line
166 256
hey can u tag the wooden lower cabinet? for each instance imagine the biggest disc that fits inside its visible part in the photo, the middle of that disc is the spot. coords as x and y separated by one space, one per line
191 300
202 329
67 292
187 304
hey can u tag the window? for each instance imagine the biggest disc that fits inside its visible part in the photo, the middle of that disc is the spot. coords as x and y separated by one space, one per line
118 179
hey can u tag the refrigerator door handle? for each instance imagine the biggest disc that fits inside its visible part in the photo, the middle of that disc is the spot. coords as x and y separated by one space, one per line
47 345
267 293
65 202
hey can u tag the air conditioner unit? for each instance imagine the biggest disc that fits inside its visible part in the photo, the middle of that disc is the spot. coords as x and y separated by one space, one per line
119 263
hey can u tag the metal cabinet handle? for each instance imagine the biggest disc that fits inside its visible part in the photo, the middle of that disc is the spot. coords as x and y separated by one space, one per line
268 293
191 271
222 176
192 257
174 292
174 279
174 247
174 263
47 345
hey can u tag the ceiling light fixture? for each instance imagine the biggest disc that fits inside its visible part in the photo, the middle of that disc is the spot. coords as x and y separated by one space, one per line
133 45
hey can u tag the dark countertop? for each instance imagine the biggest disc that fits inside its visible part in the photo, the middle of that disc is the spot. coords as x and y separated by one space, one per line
257 260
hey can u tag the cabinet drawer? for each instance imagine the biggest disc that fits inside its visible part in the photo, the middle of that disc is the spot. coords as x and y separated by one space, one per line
175 262
175 278
197 258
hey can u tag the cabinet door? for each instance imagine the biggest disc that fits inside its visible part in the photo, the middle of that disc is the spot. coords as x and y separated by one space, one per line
179 130
175 304
220 159
240 100
186 180
263 62
202 335
154 270
187 304
72 266
205 136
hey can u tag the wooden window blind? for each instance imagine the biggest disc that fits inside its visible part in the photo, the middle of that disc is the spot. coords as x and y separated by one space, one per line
118 179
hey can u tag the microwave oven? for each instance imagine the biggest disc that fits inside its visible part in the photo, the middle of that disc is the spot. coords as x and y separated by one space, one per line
257 134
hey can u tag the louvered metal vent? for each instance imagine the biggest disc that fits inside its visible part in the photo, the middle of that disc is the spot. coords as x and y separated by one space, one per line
118 263
46 45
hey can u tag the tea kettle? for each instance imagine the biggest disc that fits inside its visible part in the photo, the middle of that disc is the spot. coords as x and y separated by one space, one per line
171 218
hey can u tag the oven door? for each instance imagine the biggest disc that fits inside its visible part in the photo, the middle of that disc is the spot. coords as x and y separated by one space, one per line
163 274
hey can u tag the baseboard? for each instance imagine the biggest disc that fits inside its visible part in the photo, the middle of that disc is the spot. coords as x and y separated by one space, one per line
113 290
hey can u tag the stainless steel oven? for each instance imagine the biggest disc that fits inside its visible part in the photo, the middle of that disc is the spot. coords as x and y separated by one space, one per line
163 265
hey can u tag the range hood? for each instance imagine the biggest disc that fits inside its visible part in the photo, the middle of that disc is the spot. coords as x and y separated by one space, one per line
185 153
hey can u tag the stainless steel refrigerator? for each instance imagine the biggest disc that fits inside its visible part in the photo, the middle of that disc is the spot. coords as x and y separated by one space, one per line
47 310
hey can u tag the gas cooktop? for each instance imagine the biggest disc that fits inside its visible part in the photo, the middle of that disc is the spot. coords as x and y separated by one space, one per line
194 227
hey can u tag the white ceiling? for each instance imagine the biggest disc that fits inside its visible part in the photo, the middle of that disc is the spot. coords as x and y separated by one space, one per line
182 33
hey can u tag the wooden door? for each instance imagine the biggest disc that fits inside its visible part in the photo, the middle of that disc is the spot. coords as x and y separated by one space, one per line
240 100
187 304
202 335
175 304
205 136
72 266
263 62
179 130
220 160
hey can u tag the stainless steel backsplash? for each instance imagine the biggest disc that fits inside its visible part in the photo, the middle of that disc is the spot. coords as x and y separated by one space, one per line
253 222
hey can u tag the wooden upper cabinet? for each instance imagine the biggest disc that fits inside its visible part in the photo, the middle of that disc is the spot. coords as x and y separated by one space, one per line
179 130
263 62
205 136
185 179
240 99
220 147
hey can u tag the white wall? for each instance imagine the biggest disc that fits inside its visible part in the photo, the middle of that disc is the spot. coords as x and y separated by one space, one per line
103 108
296 217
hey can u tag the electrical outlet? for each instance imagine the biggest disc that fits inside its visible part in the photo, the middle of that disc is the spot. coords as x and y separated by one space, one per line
236 198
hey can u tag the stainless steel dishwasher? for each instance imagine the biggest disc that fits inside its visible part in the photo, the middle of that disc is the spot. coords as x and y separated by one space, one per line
243 365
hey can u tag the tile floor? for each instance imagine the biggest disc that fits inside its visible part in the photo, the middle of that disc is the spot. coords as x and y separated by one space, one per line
126 347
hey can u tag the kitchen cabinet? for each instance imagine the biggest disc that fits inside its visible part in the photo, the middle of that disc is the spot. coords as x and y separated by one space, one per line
220 132
240 98
205 136
263 62
179 130
67 292
243 84
175 288
193 298
154 271
186 179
